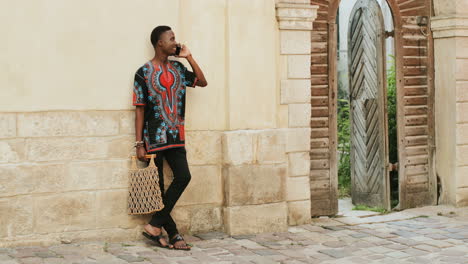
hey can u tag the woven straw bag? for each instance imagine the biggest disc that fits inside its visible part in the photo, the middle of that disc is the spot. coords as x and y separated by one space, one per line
144 194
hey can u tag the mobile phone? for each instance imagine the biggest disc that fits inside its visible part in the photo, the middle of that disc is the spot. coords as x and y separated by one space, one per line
178 48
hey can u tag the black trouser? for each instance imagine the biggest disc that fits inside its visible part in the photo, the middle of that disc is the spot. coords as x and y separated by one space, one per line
177 160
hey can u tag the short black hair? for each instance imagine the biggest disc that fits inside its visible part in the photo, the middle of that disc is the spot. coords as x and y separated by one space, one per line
156 33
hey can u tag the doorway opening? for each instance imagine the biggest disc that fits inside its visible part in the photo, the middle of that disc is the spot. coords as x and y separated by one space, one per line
367 146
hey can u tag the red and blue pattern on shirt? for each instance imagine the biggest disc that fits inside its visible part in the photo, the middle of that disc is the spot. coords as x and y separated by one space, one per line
161 90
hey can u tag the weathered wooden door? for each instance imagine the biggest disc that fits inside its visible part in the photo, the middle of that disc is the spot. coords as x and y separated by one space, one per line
369 150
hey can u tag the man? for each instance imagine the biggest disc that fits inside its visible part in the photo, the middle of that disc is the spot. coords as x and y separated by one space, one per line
159 96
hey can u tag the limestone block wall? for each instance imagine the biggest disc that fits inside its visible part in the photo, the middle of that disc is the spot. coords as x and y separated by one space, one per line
450 27
64 176
295 19
254 171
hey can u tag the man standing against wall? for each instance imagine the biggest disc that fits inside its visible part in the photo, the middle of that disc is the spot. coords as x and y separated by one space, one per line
159 96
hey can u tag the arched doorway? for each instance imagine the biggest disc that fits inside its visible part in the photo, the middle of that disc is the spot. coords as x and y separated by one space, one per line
414 81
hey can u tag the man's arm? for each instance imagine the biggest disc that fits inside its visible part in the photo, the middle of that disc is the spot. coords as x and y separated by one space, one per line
201 81
139 121
185 53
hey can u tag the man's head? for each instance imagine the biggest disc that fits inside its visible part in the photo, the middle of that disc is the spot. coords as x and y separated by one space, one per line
163 39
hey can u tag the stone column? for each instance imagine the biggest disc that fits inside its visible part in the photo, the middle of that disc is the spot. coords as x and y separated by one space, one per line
295 19
450 27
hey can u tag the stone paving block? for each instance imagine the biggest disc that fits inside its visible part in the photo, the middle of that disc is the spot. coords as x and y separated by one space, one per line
293 253
357 260
384 235
265 252
279 258
376 240
34 260
333 228
211 235
427 248
402 233
243 237
46 254
379 249
396 246
453 230
438 243
453 260
213 251
453 252
5 257
294 261
273 245
455 236
148 254
437 236
185 260
398 254
25 252
334 244
415 252
420 238
249 244
242 252
406 241
322 257
375 257
233 259
259 260
360 235
335 253
363 244
418 260
463 248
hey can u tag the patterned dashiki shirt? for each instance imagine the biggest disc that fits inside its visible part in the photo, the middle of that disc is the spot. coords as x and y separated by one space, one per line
161 90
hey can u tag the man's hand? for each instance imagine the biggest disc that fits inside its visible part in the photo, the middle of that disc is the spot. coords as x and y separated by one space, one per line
140 153
184 52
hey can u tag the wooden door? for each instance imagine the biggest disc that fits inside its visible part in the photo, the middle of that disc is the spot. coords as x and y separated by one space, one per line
369 150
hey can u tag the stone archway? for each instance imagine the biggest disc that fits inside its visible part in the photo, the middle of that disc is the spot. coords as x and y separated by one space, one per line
415 90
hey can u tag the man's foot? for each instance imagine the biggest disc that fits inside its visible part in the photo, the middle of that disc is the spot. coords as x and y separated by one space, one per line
155 234
178 243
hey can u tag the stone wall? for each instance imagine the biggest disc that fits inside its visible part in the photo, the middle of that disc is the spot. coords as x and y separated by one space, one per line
450 27
64 175
64 160
295 19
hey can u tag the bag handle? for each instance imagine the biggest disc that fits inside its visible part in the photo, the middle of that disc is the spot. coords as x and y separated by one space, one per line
152 157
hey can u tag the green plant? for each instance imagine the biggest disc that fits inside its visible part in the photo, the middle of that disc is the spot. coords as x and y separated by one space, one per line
361 207
127 245
392 111
344 165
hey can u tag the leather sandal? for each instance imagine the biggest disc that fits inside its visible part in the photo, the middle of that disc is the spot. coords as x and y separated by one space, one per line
178 238
155 239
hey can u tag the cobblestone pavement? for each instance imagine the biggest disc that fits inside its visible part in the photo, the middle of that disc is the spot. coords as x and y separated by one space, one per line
427 235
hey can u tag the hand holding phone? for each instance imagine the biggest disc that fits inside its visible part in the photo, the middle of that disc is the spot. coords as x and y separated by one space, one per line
182 51
178 49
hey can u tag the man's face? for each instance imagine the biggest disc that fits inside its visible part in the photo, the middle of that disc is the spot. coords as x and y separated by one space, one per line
167 42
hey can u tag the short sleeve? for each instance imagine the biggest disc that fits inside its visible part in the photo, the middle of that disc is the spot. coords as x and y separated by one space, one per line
140 89
189 77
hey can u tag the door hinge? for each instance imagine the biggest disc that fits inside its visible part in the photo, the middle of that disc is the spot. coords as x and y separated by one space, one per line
393 166
389 34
